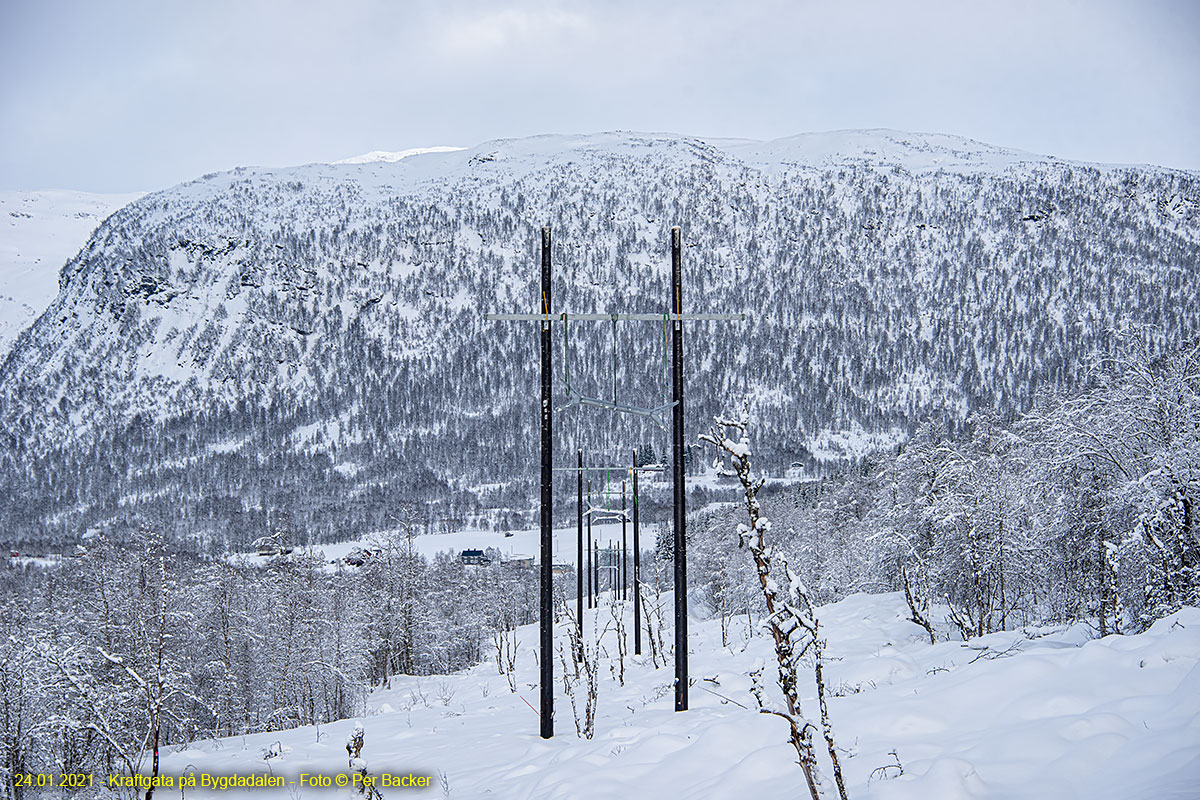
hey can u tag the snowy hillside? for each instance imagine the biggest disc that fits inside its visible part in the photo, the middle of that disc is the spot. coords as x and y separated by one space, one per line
1038 714
390 156
39 231
313 338
912 152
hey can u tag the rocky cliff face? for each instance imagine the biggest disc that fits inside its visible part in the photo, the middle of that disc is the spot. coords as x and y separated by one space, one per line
39 231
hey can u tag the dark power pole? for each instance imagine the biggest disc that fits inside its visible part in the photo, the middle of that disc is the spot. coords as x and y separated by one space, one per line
681 627
591 562
637 567
547 609
624 548
580 559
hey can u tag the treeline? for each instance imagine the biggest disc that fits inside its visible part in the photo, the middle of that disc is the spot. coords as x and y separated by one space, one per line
1085 508
131 647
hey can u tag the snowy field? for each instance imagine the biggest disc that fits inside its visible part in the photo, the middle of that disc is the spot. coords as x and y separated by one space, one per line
522 544
527 542
1051 713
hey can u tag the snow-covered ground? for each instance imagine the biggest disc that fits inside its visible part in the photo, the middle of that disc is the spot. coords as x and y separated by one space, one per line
392 156
1051 713
526 543
521 544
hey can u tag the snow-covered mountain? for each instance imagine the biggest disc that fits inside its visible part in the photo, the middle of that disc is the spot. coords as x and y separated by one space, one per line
312 338
39 231
390 156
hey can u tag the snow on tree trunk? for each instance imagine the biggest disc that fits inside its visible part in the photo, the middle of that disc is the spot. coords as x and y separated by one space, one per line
791 617
360 784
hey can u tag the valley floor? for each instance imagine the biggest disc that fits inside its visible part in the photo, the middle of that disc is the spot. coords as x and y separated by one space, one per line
1051 713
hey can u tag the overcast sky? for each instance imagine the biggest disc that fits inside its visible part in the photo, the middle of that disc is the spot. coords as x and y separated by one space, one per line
119 95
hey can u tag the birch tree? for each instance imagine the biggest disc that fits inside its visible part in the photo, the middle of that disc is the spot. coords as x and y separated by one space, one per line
791 618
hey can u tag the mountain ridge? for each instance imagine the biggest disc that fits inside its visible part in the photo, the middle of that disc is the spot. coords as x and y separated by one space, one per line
39 232
311 338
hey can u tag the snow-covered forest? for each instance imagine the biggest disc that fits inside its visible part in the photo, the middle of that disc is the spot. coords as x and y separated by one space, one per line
1083 508
137 646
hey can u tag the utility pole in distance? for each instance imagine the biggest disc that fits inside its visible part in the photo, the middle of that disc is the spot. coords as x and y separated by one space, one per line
591 561
624 548
580 560
637 566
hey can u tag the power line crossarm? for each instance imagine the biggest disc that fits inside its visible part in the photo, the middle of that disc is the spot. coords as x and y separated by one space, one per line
620 317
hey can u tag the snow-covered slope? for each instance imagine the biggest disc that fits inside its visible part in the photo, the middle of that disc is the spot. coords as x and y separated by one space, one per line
1044 714
313 337
390 156
912 152
39 231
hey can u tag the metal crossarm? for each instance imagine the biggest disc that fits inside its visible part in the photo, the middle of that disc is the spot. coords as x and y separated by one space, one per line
623 468
609 317
654 414
609 516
